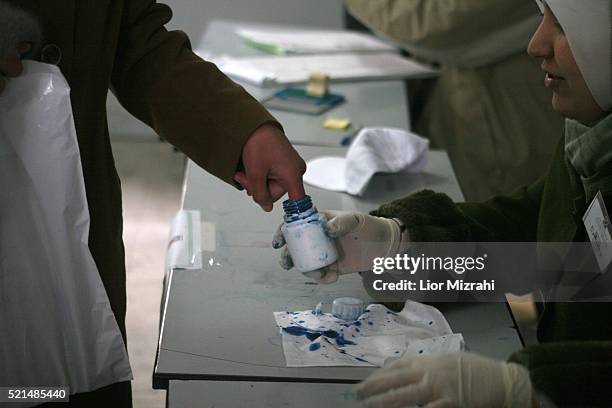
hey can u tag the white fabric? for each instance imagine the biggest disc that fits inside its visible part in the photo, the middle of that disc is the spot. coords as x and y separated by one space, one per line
379 335
56 324
587 26
375 150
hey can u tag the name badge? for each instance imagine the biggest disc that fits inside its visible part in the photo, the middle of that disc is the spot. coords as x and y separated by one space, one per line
597 223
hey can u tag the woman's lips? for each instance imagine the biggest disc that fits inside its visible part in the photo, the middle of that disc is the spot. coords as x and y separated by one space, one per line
552 81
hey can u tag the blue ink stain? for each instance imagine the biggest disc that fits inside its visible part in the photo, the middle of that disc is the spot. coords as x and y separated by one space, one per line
301 321
301 331
396 352
341 341
357 330
431 322
357 324
310 334
314 346
371 324
332 334
420 351
295 330
360 359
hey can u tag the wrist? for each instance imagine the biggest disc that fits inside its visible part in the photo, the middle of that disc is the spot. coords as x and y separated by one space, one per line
395 236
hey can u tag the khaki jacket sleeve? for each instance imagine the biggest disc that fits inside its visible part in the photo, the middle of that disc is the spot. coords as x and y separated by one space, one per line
188 101
472 31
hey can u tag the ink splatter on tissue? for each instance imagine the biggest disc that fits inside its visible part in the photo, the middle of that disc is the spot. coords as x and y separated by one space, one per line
314 346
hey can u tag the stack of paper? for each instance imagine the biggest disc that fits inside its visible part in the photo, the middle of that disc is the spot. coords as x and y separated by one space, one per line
279 41
285 70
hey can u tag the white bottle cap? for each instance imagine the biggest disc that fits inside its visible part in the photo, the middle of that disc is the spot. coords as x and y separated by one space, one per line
347 308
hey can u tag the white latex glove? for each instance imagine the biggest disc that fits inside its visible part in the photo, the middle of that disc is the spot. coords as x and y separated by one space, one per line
359 239
448 380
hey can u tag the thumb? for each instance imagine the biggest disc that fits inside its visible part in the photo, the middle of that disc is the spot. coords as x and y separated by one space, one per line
278 239
343 224
242 179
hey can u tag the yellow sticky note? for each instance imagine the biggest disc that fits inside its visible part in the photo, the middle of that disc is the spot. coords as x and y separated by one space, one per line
337 124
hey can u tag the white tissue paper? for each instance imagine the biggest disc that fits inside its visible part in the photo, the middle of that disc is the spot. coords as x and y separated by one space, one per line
311 338
375 150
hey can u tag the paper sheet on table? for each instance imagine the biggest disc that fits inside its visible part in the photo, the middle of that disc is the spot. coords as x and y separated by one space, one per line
311 339
284 70
283 41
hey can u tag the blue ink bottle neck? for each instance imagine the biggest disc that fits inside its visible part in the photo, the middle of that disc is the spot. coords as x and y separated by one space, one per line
298 209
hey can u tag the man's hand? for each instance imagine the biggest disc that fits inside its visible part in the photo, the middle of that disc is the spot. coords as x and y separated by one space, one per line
272 167
359 239
448 380
11 66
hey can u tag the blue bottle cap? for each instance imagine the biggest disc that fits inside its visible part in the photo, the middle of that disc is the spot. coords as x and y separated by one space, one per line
347 308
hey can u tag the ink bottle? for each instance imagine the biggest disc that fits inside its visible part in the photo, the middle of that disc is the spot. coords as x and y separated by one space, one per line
304 231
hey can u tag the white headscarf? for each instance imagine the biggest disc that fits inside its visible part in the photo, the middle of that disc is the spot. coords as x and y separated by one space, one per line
587 26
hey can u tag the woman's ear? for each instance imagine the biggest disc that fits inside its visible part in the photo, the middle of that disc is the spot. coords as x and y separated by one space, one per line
17 27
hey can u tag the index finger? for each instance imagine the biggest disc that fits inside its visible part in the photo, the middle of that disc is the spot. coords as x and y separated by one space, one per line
408 396
296 189
387 380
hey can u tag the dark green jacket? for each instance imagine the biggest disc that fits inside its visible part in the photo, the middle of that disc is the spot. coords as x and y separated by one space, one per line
122 45
573 363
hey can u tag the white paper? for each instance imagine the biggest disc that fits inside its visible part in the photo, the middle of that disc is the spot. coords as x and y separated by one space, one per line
378 336
597 224
56 323
284 70
314 41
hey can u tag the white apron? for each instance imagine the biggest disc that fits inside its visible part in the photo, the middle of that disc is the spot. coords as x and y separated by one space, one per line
56 324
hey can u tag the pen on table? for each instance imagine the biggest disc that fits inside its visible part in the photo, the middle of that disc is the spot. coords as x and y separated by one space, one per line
348 137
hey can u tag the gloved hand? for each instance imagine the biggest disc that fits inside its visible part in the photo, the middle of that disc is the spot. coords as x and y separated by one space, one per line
447 380
359 239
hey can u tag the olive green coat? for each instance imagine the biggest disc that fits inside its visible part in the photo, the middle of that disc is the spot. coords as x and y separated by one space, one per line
122 45
488 108
573 363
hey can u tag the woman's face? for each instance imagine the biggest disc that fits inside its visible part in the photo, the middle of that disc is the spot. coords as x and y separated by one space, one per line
571 95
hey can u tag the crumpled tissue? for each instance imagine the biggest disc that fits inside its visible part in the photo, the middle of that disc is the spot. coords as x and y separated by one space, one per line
375 150
311 338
